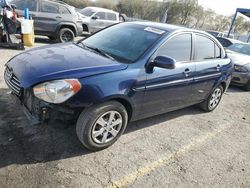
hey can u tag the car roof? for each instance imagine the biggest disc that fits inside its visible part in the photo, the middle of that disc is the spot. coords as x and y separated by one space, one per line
102 9
167 27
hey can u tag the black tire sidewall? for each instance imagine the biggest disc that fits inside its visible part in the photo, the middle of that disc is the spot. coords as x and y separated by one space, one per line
89 116
61 33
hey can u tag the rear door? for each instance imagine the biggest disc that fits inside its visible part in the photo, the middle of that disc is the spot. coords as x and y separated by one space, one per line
209 64
48 18
32 5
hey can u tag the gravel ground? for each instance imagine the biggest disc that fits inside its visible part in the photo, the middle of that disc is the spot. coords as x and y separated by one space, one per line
186 148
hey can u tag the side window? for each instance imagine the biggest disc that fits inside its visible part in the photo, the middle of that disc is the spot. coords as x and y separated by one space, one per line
63 10
204 48
101 15
217 52
49 7
178 48
111 16
22 4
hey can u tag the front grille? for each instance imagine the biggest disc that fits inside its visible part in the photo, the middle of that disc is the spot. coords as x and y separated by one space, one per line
12 81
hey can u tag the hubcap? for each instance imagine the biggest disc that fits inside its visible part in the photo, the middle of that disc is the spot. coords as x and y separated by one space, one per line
215 99
107 127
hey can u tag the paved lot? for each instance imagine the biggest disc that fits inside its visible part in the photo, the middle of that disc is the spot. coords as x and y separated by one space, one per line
186 148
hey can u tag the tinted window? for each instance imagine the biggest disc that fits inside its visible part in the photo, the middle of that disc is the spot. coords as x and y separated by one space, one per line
204 48
22 4
111 16
178 48
111 40
63 10
49 7
101 15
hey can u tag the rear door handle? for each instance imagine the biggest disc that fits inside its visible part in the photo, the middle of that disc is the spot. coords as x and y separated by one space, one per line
187 72
218 68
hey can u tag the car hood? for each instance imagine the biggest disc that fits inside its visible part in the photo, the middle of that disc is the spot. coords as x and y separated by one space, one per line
238 58
60 61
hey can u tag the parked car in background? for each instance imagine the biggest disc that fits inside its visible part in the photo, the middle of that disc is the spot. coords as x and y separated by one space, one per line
240 55
105 82
226 42
219 34
54 19
95 18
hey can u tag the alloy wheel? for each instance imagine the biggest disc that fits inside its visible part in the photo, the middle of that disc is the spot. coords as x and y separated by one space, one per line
107 127
215 98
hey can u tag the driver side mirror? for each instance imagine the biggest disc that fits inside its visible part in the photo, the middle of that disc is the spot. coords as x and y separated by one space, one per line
164 62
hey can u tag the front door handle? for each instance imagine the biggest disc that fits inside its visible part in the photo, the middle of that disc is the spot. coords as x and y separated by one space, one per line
58 17
187 72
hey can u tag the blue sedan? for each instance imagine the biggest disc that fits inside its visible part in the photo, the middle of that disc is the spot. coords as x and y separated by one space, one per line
124 73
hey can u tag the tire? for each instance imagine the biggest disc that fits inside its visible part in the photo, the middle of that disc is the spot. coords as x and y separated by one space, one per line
247 86
215 96
65 35
85 28
92 134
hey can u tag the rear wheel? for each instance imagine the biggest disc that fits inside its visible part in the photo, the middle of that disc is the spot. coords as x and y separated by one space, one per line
66 35
213 100
100 126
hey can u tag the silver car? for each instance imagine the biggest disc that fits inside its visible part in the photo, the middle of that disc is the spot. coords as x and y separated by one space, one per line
95 18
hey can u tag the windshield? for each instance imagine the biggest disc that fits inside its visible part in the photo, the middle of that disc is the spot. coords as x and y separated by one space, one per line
240 48
125 42
87 12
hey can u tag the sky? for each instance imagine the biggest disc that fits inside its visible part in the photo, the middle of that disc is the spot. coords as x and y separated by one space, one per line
225 7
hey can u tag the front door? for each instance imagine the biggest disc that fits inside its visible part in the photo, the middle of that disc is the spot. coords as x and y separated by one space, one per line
167 89
98 21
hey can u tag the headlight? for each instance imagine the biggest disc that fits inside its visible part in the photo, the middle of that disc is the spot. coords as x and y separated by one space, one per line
240 68
57 91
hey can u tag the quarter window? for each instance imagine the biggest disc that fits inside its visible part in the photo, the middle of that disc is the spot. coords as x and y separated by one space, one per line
205 48
178 48
63 10
217 52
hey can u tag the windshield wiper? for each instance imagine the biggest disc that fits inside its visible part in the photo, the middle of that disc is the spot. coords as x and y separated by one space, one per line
101 52
96 50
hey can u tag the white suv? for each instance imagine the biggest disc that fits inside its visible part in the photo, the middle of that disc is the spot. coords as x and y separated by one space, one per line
95 19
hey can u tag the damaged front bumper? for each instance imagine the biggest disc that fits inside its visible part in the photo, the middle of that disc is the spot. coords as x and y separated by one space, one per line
38 111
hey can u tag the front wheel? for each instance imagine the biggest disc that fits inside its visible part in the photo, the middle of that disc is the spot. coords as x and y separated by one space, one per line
100 126
247 86
213 100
